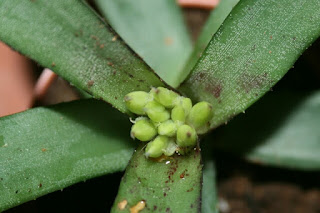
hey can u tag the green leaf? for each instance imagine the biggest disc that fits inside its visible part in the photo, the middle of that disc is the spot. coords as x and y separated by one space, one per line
69 38
281 130
173 185
216 18
256 45
47 149
155 30
209 202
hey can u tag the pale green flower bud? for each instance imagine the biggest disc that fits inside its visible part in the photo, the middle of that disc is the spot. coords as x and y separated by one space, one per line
170 149
178 114
186 136
164 96
156 112
167 128
185 103
156 147
143 130
136 101
200 115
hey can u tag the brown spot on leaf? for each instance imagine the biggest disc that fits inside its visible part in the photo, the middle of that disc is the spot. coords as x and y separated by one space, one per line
94 37
249 81
90 83
190 190
215 88
43 149
53 64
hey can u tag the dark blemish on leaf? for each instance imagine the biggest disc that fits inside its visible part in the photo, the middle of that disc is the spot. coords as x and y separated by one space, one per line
253 48
190 190
249 81
140 80
29 190
116 98
110 64
101 46
294 38
94 37
155 208
168 209
17 191
191 206
53 64
1 179
114 72
230 58
182 174
214 88
271 37
164 194
43 149
90 83
131 76
40 185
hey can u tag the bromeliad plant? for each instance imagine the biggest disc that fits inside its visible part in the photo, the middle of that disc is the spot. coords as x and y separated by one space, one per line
252 47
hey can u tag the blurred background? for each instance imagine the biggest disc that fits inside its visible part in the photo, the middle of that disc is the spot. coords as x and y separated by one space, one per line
243 187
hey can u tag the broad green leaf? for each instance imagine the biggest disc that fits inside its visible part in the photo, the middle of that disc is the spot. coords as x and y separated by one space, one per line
155 30
172 185
216 18
282 130
209 202
255 46
47 149
69 38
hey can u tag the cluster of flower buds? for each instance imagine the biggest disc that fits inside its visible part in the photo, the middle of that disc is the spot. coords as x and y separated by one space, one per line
167 120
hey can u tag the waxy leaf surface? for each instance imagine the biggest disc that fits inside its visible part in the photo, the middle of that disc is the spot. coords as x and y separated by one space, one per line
280 130
172 185
47 149
155 30
255 46
69 38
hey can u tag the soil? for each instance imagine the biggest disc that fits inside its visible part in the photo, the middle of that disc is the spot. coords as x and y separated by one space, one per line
248 188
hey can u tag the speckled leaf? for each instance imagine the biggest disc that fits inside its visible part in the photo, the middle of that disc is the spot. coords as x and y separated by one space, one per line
47 149
216 18
155 30
281 129
255 46
173 185
69 38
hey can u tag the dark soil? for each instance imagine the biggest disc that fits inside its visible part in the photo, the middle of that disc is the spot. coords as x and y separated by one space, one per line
248 188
